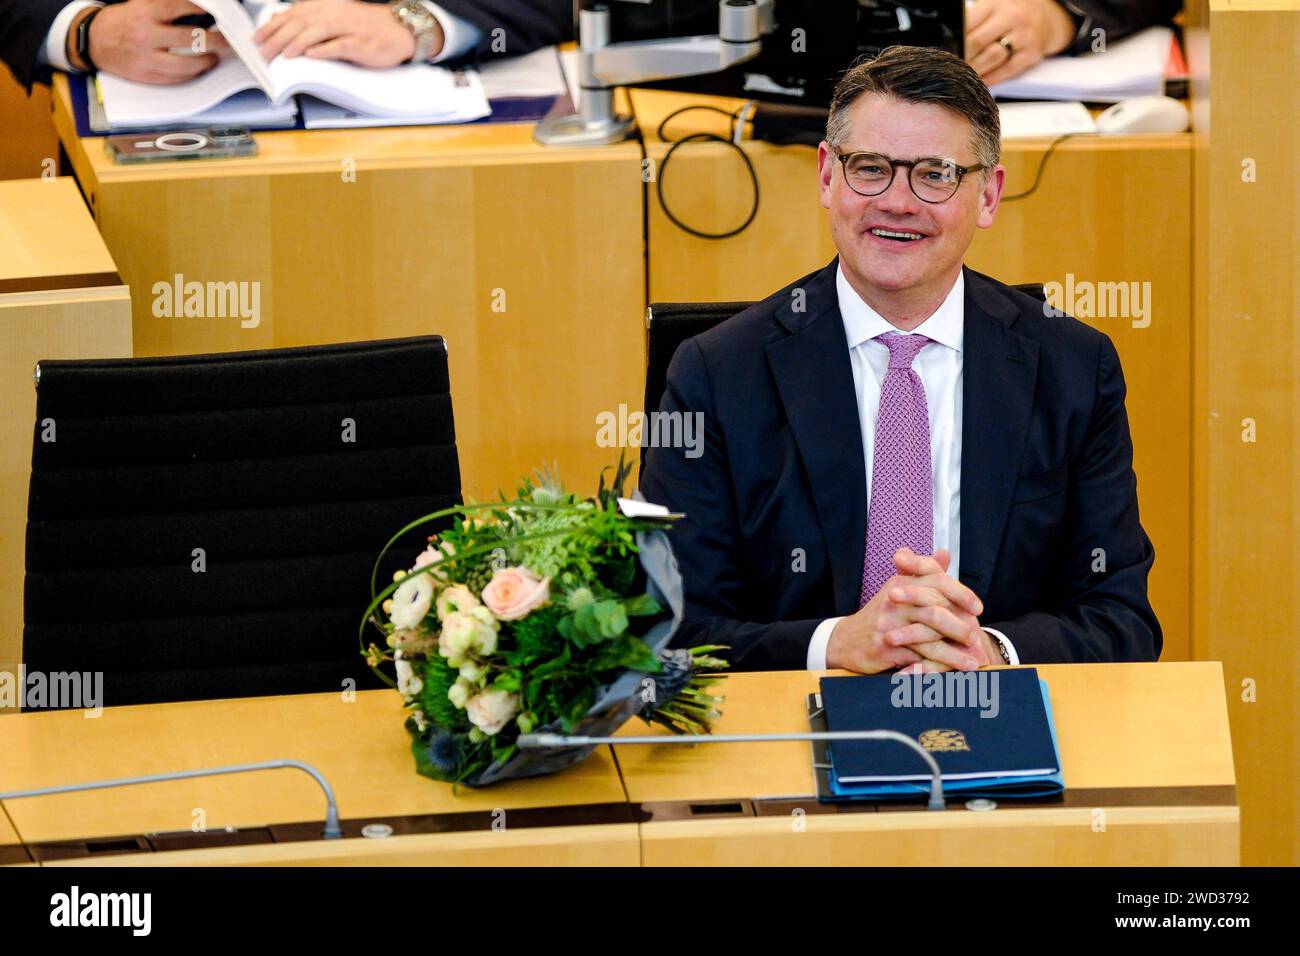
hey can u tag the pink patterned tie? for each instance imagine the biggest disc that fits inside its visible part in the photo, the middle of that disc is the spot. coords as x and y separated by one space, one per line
902 498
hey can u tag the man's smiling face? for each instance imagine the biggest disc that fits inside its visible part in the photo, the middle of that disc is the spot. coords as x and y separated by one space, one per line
916 272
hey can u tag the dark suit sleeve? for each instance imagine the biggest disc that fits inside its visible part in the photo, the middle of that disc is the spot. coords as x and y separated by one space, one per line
24 25
527 25
706 541
1106 615
1118 18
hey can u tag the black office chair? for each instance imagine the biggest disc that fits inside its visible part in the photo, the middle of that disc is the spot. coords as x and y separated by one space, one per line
205 526
669 324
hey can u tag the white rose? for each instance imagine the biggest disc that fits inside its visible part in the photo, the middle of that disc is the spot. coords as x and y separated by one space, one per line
473 672
459 693
491 710
465 633
486 639
455 598
408 685
411 602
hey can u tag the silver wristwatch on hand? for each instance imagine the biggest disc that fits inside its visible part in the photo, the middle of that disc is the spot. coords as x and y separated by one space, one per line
417 18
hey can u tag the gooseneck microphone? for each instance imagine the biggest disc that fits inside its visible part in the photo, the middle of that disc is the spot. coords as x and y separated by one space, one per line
539 741
332 830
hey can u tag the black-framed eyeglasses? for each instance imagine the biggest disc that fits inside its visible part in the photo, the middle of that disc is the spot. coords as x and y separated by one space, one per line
932 180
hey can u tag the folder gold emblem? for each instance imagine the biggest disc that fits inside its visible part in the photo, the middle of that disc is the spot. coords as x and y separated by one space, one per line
943 741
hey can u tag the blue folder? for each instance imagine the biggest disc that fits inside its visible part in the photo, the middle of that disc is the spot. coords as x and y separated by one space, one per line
1013 753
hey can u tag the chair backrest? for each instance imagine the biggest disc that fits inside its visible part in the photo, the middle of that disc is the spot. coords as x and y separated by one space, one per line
669 324
205 526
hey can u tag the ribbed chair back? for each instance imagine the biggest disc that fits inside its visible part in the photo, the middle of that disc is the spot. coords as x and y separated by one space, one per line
205 526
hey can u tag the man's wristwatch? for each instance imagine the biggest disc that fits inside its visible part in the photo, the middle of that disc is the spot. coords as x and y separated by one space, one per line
81 43
417 18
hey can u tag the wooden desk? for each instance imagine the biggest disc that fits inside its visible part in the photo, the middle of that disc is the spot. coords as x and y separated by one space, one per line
529 260
60 297
1107 210
1144 747
361 749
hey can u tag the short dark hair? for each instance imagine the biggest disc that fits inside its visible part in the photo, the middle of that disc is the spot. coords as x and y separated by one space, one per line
915 74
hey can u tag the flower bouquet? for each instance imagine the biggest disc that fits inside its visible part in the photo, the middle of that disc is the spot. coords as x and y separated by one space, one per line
543 613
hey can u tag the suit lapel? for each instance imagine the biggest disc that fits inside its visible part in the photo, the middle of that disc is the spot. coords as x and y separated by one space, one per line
815 383
999 372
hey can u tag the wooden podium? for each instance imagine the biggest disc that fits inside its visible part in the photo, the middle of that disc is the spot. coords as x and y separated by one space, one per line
1145 747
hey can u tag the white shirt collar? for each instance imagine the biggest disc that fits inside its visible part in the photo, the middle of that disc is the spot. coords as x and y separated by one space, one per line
861 322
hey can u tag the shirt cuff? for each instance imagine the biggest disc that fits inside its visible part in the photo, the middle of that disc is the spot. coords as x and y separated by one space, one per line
1013 657
821 640
458 36
54 52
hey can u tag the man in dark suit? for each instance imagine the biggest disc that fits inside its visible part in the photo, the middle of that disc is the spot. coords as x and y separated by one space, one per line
134 38
906 464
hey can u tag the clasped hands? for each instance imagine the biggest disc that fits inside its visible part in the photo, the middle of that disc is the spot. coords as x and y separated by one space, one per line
921 620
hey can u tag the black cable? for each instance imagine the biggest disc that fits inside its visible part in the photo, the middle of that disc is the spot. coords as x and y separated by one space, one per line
1042 164
704 137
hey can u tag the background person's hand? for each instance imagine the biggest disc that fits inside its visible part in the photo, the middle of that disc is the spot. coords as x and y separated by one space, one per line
366 34
921 607
1034 28
133 40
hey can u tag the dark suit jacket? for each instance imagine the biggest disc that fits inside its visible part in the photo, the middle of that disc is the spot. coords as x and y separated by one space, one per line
776 517
1119 18
528 25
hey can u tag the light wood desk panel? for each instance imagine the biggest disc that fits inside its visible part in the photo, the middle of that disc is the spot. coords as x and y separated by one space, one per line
60 297
530 261
359 746
1108 210
1245 59
614 844
1129 734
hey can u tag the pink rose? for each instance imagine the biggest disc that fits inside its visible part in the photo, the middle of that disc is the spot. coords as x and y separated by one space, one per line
515 592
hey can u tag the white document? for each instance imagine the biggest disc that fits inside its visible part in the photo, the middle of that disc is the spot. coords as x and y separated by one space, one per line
535 74
1134 66
418 92
1024 120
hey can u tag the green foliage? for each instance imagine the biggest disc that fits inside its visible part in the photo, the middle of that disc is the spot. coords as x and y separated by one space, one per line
559 656
438 677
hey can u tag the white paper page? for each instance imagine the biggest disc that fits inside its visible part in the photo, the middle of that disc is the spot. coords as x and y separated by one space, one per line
1023 120
236 25
412 90
131 104
1134 66
318 114
535 74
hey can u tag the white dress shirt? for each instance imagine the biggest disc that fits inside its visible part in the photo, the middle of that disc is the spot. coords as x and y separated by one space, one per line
458 36
939 366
